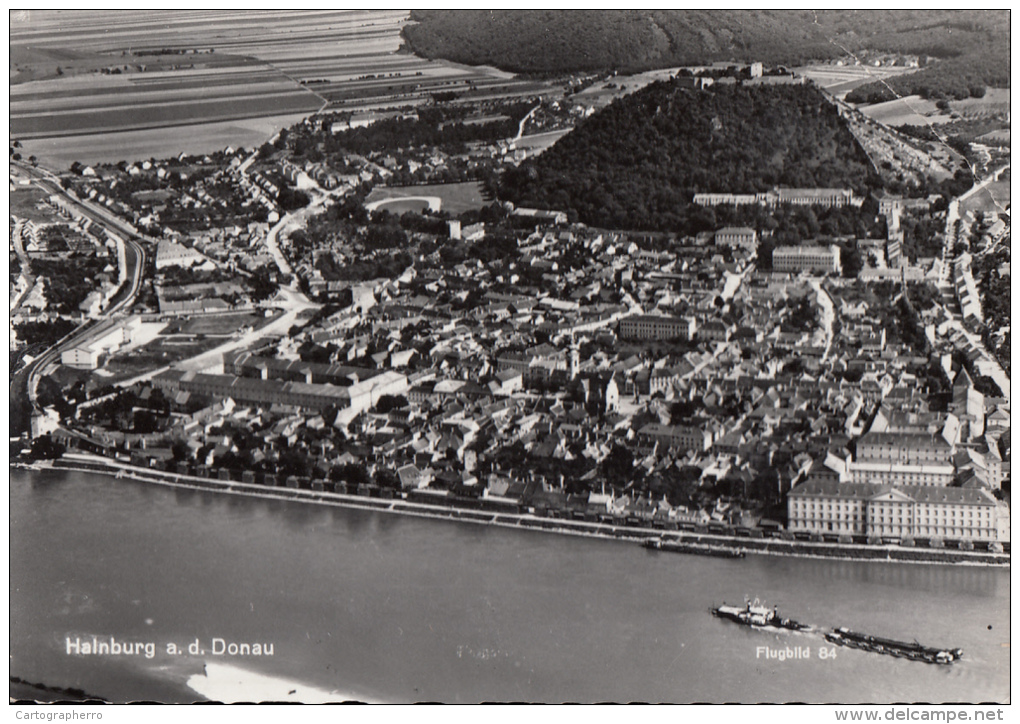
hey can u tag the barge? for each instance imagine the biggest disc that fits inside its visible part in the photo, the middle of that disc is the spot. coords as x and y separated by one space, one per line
890 647
701 549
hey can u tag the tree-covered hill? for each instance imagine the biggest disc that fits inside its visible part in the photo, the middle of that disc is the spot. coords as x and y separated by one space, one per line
962 49
637 163
581 40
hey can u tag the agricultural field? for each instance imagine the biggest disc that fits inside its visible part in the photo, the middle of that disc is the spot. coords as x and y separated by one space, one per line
108 86
841 79
456 198
995 138
994 102
60 152
906 111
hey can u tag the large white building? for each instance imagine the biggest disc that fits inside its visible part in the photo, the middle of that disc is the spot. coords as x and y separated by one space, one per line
109 338
937 474
170 253
648 326
806 258
904 448
796 197
737 236
816 197
893 513
679 437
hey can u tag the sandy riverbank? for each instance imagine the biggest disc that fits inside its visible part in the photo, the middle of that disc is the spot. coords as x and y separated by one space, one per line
232 684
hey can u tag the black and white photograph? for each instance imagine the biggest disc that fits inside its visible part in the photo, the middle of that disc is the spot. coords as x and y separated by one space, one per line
511 356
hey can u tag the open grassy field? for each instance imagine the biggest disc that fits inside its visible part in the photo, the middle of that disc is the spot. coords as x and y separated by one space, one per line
841 79
456 198
909 110
995 138
402 206
25 205
539 142
160 352
97 78
222 324
992 199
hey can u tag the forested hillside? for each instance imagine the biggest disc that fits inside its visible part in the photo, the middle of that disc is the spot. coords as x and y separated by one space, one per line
637 163
577 40
962 49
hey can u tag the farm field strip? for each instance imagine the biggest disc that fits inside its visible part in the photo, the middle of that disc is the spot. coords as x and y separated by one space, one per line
107 29
26 92
911 110
840 80
129 145
57 106
355 69
433 76
259 68
151 100
156 116
264 47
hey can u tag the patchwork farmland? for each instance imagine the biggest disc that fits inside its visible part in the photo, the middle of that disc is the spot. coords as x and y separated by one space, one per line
81 81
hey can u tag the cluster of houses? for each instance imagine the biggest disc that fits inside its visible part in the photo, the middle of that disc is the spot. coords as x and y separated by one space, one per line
966 290
584 343
29 239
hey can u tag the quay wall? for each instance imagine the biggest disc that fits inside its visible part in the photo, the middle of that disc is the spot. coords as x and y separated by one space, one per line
398 505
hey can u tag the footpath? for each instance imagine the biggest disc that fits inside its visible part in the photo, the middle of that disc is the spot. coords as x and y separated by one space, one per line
518 520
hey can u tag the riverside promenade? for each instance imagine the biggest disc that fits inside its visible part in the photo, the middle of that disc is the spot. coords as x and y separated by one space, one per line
528 521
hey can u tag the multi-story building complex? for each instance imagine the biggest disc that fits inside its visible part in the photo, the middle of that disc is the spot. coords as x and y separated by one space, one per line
889 512
798 197
966 289
357 397
647 326
815 197
742 237
720 199
904 449
170 253
937 474
106 339
680 437
806 258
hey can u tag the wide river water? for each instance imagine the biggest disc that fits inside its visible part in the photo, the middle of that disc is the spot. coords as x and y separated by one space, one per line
381 607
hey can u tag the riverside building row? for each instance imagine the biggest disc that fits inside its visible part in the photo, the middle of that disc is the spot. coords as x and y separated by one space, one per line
897 512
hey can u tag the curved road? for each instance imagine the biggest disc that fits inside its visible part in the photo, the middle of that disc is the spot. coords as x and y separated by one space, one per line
24 382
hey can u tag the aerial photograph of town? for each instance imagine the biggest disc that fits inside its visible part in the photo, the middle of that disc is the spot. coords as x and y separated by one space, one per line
470 356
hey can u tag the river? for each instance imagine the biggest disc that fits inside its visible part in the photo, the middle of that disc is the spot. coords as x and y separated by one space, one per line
380 607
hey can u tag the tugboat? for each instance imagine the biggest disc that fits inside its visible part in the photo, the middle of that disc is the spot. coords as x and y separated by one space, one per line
758 615
701 549
901 649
